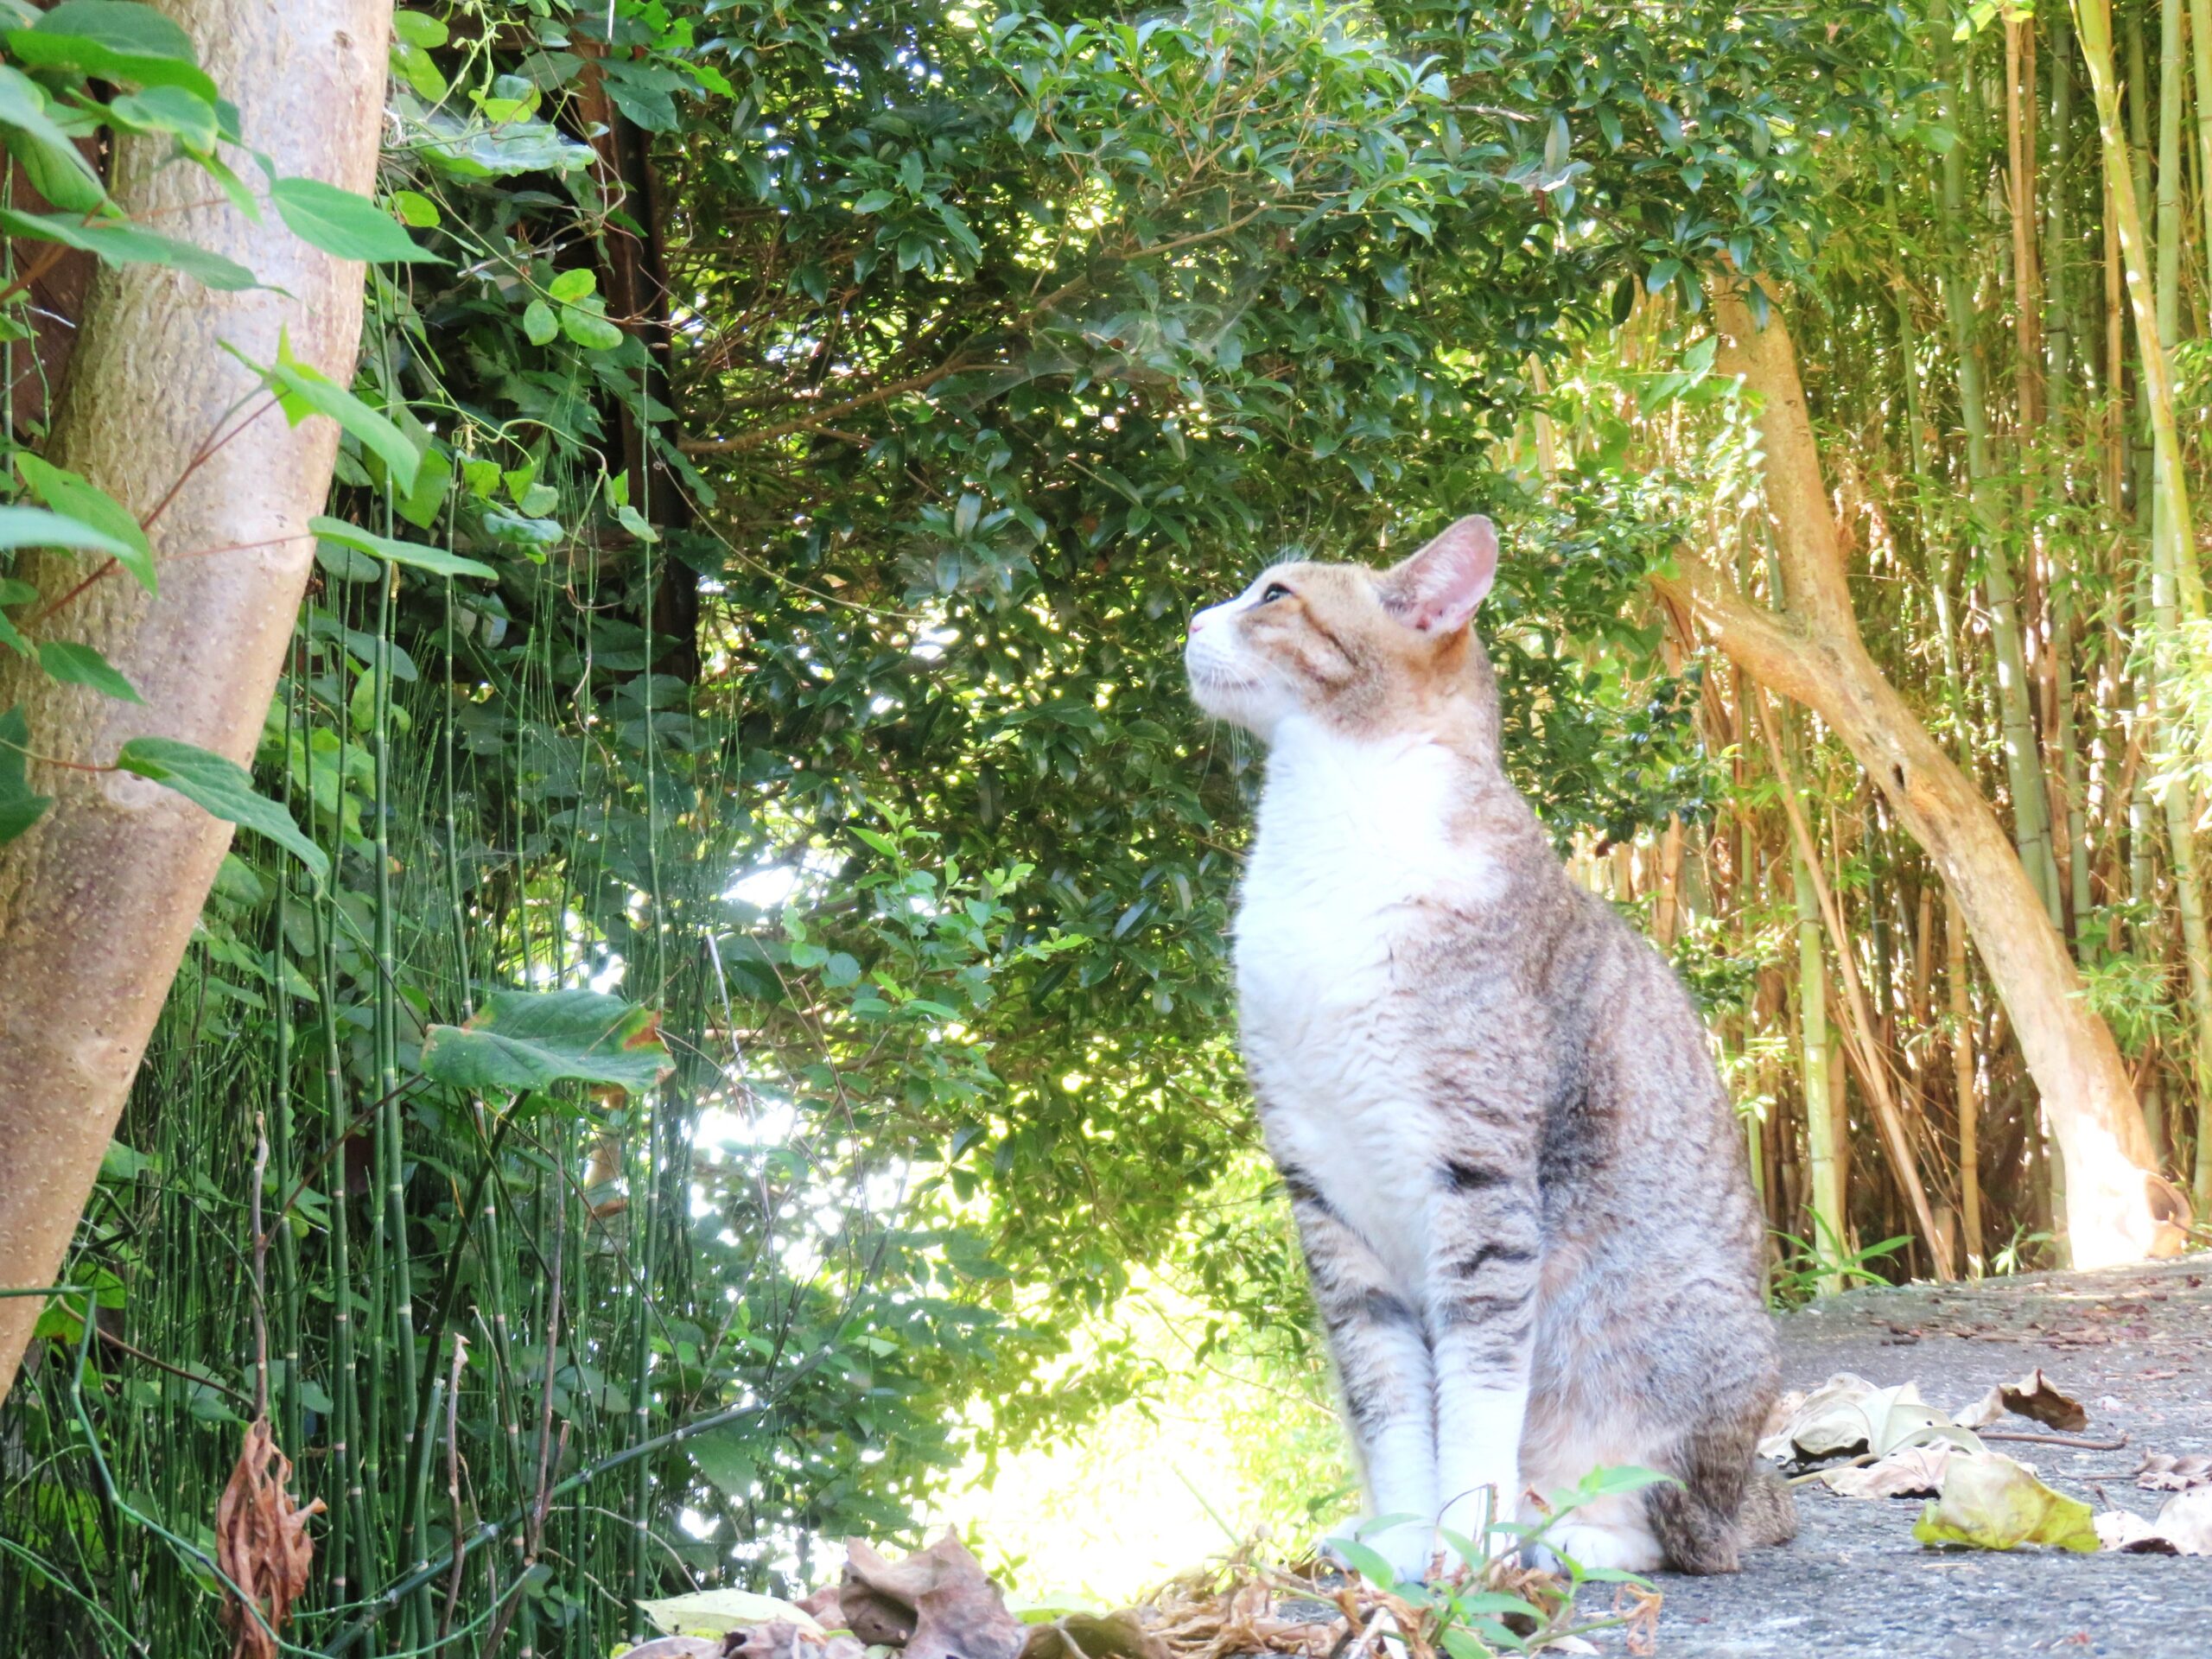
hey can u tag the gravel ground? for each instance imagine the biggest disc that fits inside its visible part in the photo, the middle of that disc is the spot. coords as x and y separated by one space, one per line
2134 1345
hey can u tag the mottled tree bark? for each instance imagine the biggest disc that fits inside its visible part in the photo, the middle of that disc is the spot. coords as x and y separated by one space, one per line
98 900
2119 1209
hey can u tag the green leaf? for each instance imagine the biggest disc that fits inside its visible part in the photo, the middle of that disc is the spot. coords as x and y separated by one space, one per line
589 330
415 555
727 1459
417 209
723 1613
58 169
635 522
19 808
224 788
420 28
533 1039
539 325
350 225
415 67
1366 1560
1988 1501
34 527
77 664
119 243
175 110
470 149
49 168
92 507
303 390
571 285
344 564
121 1163
113 39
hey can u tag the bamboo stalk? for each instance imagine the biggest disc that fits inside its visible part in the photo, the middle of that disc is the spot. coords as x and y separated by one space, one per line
1859 1032
1962 1079
2093 21
2023 765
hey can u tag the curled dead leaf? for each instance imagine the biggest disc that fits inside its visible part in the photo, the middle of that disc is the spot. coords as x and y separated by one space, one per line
1848 1414
2163 1472
1638 1607
780 1638
262 1543
2184 1527
1093 1636
1909 1471
936 1604
2036 1396
1988 1501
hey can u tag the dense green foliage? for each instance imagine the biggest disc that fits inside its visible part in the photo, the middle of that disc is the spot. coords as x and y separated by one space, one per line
827 415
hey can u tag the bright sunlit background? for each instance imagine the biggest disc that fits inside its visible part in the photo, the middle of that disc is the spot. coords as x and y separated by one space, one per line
1154 1488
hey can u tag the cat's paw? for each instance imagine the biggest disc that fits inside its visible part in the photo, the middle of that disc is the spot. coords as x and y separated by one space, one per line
1409 1547
1625 1546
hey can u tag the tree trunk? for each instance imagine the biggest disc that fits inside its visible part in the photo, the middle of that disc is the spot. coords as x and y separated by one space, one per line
98 900
2119 1208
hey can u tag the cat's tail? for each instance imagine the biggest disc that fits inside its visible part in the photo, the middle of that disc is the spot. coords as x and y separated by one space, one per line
1699 1531
1770 1512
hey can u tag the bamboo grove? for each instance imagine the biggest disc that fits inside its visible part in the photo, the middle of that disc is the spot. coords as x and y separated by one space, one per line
828 415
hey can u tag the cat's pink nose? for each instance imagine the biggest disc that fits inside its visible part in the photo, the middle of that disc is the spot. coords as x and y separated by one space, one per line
1200 619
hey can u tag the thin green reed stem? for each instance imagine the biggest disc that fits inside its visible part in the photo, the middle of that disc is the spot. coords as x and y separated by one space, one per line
416 1624
349 1519
280 1120
648 1105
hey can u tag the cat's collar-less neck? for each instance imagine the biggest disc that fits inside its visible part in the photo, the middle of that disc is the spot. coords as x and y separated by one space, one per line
1302 739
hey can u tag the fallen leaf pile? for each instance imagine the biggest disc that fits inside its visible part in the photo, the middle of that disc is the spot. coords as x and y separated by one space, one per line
939 1604
1898 1446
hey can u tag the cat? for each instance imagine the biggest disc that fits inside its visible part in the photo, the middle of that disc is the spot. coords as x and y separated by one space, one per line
1519 1186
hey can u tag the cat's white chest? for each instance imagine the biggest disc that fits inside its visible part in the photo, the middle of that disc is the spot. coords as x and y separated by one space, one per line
1354 840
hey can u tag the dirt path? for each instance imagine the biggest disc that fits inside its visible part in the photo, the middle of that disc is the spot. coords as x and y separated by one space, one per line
2134 1345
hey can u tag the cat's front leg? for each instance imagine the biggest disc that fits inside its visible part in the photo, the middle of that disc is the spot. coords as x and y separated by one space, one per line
1383 1370
1485 1246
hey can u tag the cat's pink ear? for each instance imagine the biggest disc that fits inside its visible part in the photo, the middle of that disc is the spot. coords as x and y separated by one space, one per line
1437 588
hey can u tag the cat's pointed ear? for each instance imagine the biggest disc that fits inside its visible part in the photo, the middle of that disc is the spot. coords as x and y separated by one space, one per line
1437 589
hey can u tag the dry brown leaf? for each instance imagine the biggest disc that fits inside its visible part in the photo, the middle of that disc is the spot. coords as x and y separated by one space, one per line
1909 1471
2125 1530
1983 1412
1779 1415
1847 1415
2186 1519
1093 1636
262 1543
936 1604
822 1608
2036 1396
1827 1419
2184 1527
1639 1607
2163 1472
780 1638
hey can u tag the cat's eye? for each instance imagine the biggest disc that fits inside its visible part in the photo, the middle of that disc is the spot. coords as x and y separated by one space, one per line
1274 590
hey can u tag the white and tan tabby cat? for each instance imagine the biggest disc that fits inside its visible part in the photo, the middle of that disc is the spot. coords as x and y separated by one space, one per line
1518 1182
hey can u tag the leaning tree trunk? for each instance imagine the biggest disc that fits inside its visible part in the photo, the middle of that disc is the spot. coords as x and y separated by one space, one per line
98 901
2117 1207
